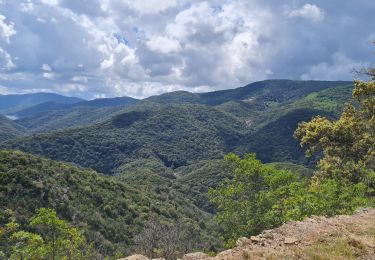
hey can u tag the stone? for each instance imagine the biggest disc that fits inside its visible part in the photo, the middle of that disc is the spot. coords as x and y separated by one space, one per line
243 241
195 256
268 235
135 257
290 240
255 239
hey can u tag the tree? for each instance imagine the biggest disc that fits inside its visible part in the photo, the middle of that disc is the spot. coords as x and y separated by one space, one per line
260 197
348 144
54 239
254 199
167 240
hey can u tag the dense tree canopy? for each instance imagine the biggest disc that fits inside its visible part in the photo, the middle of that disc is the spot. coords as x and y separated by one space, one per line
259 197
348 144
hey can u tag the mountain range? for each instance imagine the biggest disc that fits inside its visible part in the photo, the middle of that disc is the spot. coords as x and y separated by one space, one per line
108 165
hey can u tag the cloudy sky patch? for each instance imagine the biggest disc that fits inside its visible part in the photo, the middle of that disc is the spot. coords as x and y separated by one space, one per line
106 48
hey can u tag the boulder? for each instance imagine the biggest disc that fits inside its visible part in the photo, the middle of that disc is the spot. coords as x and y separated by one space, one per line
255 239
195 256
135 257
243 241
290 240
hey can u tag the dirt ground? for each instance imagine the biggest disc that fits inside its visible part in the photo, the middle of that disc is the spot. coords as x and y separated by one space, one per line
340 237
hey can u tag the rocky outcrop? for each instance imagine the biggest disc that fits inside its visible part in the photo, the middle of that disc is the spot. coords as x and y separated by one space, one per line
135 257
195 256
339 237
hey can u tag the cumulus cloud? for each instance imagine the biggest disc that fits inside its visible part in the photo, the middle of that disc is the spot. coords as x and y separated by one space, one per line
151 6
308 11
98 48
3 90
46 67
337 68
163 44
6 60
6 29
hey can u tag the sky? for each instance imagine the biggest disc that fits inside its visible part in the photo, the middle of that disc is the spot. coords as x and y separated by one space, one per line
138 48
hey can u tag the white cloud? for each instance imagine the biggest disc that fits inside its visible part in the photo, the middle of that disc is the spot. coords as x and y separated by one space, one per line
308 11
80 79
49 75
150 6
72 88
6 60
50 2
4 90
338 68
163 44
46 67
97 48
6 29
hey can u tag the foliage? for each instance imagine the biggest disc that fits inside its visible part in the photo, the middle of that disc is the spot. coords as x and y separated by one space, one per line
176 135
348 143
169 241
9 129
50 116
52 238
195 180
275 142
108 211
181 128
296 168
250 201
260 197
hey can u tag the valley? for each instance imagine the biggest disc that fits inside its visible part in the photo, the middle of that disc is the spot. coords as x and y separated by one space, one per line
114 168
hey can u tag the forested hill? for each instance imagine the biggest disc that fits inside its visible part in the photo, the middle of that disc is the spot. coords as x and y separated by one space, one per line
175 135
154 170
268 90
9 129
179 134
51 106
110 212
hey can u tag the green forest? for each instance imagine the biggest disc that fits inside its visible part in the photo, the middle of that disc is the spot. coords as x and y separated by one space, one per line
151 177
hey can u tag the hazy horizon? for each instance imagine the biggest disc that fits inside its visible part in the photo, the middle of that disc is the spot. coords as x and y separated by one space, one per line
94 49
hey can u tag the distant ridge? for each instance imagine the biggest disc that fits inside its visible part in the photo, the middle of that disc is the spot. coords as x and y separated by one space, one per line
9 129
274 89
95 103
11 104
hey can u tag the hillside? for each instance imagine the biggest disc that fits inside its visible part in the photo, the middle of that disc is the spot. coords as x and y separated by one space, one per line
109 211
54 120
178 134
340 237
269 90
257 104
9 129
95 103
11 104
175 135
51 116
275 142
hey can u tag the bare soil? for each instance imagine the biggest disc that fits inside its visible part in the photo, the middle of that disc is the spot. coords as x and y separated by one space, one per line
339 237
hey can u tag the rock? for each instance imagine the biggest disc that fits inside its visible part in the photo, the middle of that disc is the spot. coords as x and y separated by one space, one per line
255 239
290 240
243 241
268 235
135 257
225 254
195 256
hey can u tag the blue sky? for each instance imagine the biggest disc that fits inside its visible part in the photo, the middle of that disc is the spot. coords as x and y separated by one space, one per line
106 48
